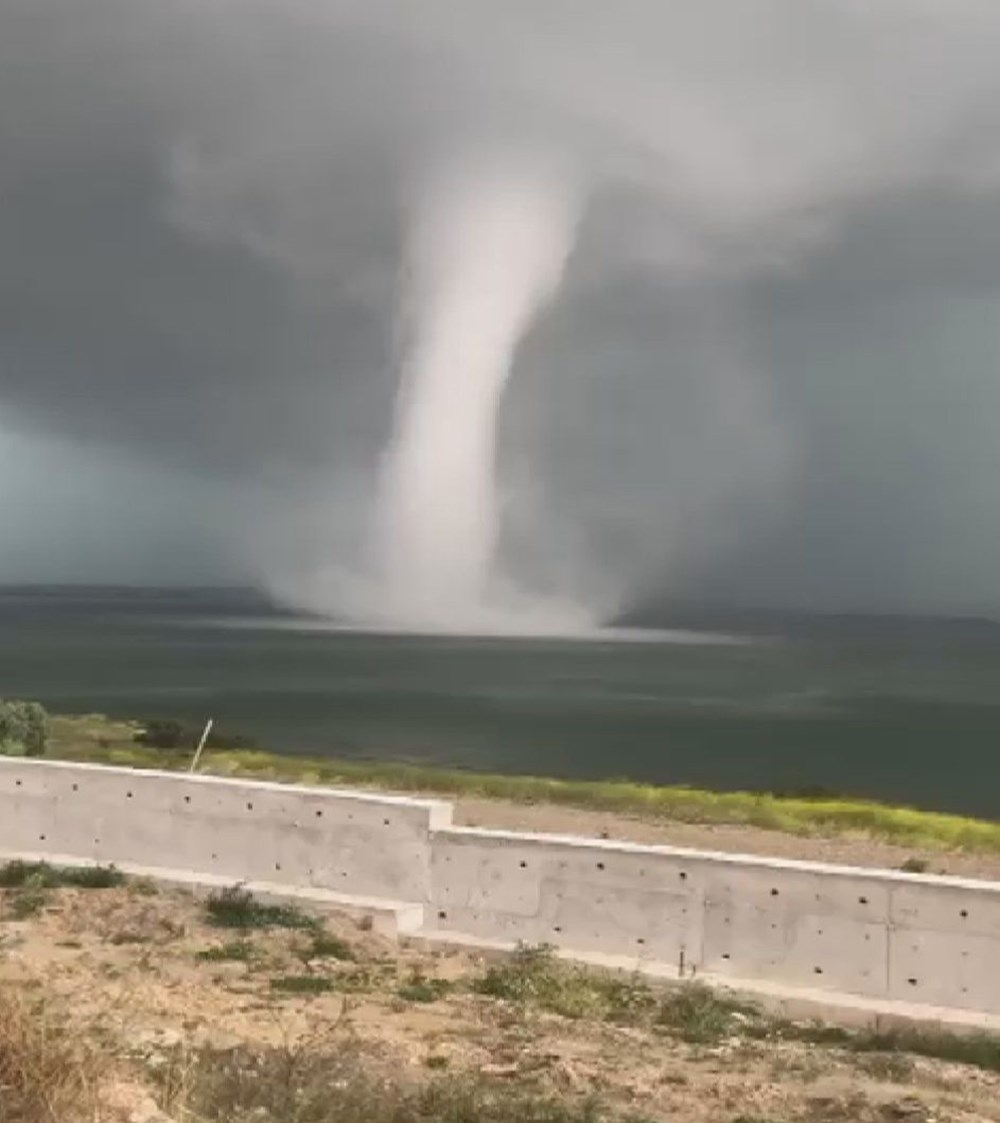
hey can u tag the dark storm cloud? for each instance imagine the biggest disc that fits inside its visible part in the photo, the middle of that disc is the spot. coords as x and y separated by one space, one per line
774 366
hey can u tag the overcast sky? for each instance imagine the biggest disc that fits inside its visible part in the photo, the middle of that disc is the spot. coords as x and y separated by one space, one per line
772 374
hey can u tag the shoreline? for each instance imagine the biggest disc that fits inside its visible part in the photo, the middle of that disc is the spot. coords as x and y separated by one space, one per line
842 831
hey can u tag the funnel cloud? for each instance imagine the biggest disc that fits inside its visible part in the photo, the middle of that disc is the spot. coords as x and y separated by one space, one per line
483 315
487 252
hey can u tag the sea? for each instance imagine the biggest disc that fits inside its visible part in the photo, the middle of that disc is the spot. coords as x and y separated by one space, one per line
892 708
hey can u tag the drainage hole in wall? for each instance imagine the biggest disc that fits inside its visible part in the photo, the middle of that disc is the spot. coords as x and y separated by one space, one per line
128 795
319 814
249 807
817 970
215 857
556 928
725 955
385 822
964 913
774 892
819 931
76 787
187 799
442 916
912 982
600 865
640 940
683 876
277 865
862 900
524 865
868 936
41 838
97 842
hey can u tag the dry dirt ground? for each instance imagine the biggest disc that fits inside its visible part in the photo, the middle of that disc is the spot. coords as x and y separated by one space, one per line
128 966
842 850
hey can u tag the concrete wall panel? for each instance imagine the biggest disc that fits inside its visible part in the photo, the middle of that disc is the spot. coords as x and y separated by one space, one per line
865 933
340 841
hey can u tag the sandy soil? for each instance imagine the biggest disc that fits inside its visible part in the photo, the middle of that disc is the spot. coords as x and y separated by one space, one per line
124 965
845 850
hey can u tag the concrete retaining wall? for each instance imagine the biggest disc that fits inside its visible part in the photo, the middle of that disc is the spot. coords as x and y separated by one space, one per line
348 842
891 937
930 941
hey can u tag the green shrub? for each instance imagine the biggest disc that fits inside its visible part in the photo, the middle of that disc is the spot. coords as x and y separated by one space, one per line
235 907
18 874
159 734
24 729
166 735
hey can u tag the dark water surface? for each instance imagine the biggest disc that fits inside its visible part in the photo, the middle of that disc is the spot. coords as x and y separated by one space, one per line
907 716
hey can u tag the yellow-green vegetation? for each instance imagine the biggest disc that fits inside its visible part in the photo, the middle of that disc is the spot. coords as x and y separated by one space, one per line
96 739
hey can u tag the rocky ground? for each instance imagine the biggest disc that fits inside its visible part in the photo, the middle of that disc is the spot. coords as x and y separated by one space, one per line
159 981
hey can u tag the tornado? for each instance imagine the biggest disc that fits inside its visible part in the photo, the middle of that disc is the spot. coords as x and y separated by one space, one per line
488 250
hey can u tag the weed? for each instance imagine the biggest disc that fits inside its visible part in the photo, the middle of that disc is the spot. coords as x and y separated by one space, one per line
17 874
535 975
915 865
698 1014
323 945
892 1068
436 1062
327 1085
235 907
418 988
302 984
237 951
27 901
47 1073
981 1050
120 939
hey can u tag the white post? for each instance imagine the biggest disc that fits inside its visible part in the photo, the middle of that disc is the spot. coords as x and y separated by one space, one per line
201 744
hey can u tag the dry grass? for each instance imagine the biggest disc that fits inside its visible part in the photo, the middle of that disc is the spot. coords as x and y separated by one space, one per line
340 1084
48 1074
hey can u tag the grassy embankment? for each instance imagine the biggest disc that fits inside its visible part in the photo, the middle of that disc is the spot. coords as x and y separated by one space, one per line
97 739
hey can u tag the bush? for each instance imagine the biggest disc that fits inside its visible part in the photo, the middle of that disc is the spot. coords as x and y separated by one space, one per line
175 735
165 735
235 907
24 729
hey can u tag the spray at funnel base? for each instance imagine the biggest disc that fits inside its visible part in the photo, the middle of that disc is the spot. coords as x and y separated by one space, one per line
488 251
